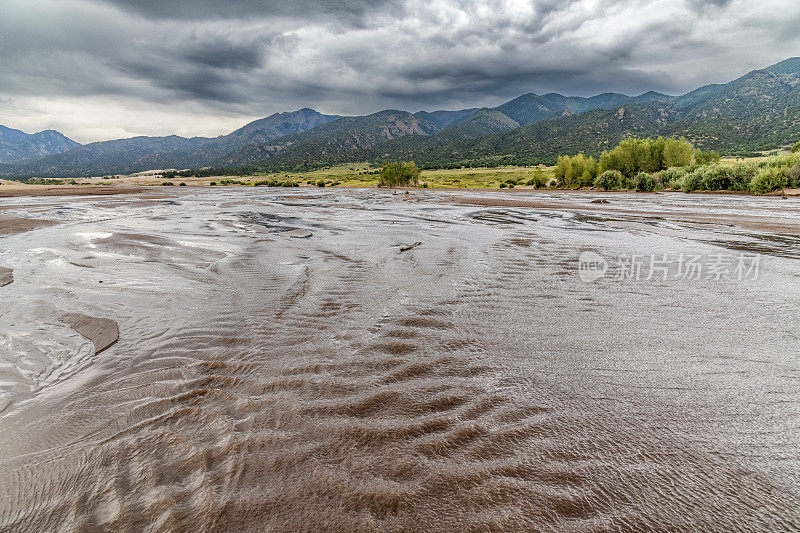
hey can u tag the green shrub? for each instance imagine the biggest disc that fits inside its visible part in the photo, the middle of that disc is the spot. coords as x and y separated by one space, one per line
213 183
793 177
321 183
676 184
399 174
716 178
503 185
182 184
167 184
693 181
610 180
539 179
768 179
269 183
740 176
671 178
644 182
796 148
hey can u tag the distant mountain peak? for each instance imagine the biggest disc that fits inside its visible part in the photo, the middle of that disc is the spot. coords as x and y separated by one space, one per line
17 146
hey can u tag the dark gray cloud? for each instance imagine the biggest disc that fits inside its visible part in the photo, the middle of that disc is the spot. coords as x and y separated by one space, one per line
707 5
222 54
353 10
101 68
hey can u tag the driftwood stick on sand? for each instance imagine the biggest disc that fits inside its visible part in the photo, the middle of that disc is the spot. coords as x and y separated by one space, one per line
409 247
103 332
6 276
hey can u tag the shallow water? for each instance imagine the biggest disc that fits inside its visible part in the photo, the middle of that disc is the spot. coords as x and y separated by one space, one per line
334 382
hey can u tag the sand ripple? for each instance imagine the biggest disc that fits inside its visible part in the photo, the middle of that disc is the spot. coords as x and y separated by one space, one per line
333 383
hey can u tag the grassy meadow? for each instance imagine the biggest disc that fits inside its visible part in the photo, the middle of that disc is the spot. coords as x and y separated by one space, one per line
365 175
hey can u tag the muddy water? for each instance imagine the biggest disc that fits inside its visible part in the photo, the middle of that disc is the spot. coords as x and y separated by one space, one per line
265 379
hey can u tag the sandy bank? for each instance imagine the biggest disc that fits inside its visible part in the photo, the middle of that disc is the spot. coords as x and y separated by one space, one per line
14 188
103 332
14 225
6 276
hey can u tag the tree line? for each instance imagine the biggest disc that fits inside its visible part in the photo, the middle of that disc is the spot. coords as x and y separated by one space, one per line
629 158
668 163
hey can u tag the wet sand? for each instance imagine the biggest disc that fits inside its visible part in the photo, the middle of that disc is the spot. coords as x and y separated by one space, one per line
14 225
355 360
102 332
6 276
760 222
10 189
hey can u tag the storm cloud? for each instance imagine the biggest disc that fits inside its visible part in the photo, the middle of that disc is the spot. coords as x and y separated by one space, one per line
98 69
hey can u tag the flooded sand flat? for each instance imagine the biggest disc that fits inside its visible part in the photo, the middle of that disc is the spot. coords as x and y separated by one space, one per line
358 360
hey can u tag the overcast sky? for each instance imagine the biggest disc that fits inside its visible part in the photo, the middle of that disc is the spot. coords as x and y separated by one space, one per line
101 69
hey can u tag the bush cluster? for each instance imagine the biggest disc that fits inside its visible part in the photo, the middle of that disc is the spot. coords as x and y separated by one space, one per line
656 164
644 182
399 175
271 183
539 179
633 156
760 177
612 180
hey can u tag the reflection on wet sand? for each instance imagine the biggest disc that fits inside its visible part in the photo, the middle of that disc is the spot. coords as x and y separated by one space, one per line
363 361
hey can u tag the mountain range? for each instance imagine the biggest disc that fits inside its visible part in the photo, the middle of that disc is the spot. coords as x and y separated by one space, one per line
16 146
758 111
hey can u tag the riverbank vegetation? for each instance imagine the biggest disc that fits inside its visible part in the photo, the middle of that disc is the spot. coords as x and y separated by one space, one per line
635 164
630 158
661 164
644 165
399 175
